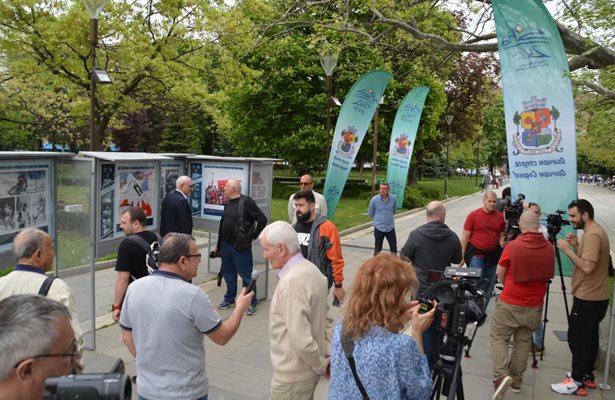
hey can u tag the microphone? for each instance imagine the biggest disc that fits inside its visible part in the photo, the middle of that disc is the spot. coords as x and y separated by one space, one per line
252 285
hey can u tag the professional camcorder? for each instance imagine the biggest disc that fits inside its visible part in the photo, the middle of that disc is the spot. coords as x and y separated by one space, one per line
114 385
555 222
460 302
513 211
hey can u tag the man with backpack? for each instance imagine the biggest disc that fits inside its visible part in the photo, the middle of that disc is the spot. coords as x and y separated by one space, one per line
133 255
34 252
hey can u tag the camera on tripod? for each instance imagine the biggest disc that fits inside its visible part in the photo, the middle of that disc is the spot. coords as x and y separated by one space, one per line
113 385
513 211
459 297
555 222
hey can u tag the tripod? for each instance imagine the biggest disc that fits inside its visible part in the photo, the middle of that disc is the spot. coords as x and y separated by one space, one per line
553 240
447 374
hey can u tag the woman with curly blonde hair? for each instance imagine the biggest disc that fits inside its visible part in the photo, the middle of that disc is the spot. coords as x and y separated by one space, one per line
388 363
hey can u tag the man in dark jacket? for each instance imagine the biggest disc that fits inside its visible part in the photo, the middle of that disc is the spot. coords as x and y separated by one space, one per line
175 210
431 248
242 222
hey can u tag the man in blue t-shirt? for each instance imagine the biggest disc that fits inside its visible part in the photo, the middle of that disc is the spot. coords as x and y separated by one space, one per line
382 211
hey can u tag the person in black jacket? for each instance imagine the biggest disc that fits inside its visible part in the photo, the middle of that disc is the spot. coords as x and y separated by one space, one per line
242 222
431 248
175 210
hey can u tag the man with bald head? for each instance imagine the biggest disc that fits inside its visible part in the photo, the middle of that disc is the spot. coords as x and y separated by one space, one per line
483 238
175 210
431 248
307 183
242 221
524 267
34 252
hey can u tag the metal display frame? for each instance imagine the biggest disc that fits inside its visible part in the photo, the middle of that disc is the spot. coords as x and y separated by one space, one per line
263 200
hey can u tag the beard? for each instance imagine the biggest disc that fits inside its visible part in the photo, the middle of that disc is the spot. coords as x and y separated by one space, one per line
579 225
304 217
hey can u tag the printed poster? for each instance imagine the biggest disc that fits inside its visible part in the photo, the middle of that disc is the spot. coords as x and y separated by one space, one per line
25 192
168 176
209 180
136 186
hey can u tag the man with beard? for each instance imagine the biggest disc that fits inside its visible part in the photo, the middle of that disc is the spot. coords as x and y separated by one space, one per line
590 288
319 241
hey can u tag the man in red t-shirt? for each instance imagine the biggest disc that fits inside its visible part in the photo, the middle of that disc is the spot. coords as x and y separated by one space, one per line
525 265
483 237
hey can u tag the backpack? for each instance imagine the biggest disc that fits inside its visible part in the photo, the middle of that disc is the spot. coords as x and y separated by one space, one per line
152 251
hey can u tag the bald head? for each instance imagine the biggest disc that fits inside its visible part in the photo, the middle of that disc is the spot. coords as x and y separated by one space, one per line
435 211
34 247
232 189
306 182
529 222
184 185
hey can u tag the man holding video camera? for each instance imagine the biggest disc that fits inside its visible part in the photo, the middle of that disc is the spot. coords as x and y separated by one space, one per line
590 291
524 267
37 341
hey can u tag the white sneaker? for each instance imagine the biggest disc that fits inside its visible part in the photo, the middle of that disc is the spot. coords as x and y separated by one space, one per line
501 385
568 387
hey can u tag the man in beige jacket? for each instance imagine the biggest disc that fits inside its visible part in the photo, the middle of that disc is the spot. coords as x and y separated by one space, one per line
298 329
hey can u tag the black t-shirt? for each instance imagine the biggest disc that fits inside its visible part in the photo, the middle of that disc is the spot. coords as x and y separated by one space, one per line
303 234
131 257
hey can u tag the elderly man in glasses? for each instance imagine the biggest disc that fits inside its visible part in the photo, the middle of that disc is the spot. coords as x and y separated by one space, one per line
37 341
306 183
175 214
163 321
34 251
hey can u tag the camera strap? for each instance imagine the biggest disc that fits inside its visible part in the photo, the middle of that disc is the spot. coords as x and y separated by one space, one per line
46 286
348 346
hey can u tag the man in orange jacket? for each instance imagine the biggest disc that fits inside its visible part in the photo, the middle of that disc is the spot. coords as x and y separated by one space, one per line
319 241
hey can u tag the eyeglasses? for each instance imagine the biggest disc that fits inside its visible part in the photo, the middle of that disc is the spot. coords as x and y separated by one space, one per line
74 354
193 255
305 183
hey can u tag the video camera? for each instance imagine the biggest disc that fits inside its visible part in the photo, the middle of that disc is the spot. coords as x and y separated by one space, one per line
513 211
113 385
460 302
555 222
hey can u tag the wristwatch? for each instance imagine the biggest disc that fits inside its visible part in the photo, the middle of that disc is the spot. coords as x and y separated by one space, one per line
338 285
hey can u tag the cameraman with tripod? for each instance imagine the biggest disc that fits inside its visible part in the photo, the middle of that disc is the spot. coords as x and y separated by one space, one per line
590 257
524 267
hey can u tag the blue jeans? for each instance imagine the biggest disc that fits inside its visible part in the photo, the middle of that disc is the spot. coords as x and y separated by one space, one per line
488 270
236 262
379 240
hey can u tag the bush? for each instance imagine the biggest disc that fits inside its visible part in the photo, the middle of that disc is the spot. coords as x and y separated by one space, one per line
77 222
429 192
414 198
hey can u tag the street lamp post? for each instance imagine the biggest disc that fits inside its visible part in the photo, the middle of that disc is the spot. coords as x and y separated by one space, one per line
375 150
477 160
449 120
94 8
328 62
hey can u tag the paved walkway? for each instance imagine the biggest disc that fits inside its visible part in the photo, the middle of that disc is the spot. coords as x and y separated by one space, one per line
242 370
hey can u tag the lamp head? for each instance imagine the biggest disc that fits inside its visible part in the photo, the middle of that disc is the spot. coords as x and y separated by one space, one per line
95 7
